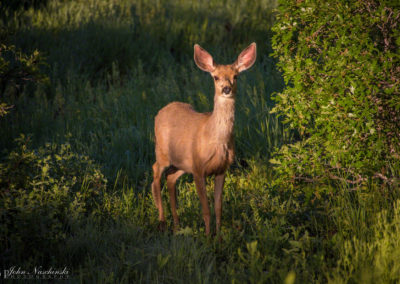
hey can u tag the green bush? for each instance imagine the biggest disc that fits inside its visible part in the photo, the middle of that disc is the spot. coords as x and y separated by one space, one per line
43 192
340 61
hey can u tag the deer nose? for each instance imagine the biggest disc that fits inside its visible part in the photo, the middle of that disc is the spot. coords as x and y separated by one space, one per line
226 90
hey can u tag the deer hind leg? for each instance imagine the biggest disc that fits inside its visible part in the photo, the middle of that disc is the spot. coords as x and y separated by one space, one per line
172 176
200 182
156 190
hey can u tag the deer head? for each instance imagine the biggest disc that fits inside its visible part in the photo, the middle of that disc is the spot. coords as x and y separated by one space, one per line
225 76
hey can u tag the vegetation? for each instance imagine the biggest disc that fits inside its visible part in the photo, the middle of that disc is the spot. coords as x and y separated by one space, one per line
341 63
81 82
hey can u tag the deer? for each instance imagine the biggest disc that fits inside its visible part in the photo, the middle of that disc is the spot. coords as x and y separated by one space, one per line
201 144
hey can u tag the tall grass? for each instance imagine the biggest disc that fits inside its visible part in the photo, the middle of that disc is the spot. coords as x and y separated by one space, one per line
112 66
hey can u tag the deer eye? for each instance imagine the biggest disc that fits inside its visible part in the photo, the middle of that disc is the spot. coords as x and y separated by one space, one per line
216 78
235 77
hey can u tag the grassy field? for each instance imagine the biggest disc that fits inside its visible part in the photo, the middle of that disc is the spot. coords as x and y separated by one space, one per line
76 186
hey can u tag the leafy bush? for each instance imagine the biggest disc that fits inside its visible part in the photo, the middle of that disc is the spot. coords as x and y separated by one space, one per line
41 193
340 61
16 71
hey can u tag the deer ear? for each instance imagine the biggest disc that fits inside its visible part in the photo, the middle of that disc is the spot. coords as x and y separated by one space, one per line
203 59
246 58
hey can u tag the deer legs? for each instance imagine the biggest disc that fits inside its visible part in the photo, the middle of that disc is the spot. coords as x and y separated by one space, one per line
201 191
172 176
156 190
171 182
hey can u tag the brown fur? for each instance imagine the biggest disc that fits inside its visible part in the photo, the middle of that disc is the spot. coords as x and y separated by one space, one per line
199 143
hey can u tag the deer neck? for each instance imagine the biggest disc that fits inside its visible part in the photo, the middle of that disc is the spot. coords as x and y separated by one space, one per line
222 119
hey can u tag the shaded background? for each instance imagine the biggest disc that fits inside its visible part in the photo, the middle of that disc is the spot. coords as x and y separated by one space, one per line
113 64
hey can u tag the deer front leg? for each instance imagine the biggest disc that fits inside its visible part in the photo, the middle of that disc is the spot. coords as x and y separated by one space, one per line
171 184
200 182
218 188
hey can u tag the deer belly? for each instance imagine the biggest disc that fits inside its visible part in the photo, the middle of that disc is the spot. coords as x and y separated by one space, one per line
180 156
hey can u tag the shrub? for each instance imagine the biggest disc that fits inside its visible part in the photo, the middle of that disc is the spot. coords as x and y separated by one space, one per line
340 61
16 71
42 192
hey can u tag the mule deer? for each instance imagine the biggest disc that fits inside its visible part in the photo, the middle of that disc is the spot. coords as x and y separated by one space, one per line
199 143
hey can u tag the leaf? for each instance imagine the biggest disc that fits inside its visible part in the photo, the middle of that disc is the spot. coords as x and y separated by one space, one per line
275 162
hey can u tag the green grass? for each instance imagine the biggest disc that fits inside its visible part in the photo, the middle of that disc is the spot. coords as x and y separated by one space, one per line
112 66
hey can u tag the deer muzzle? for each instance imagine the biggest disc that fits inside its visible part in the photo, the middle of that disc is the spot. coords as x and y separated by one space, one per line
226 90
